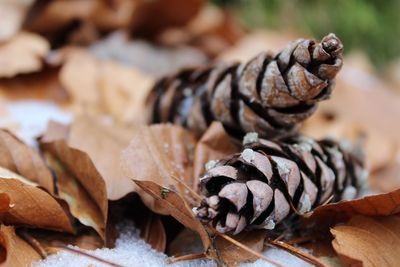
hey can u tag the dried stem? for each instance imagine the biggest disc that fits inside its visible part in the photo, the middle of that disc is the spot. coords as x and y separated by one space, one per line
34 243
255 253
82 253
186 258
296 252
194 193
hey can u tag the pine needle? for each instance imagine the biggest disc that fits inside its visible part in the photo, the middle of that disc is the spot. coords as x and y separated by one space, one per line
297 252
255 253
186 258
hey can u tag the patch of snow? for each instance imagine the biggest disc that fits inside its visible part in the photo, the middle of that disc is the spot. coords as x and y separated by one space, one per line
28 118
132 251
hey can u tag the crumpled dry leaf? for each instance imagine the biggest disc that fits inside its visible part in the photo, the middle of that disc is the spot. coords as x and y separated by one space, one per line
214 144
13 250
366 241
104 87
161 154
153 232
4 202
30 205
85 182
22 54
24 160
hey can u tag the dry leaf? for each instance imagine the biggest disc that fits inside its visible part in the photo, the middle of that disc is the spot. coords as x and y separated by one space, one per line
103 144
375 205
31 206
12 14
4 202
102 87
176 206
152 231
215 144
22 159
161 154
80 178
232 255
22 54
365 241
13 250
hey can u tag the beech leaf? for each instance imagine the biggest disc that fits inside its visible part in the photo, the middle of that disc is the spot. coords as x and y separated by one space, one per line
30 205
368 241
4 202
13 250
80 180
23 53
375 205
24 160
161 154
173 204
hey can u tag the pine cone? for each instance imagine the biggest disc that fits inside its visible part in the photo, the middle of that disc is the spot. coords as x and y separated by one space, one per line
268 95
263 185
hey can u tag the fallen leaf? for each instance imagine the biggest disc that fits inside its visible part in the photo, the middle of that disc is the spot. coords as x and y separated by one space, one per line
375 205
174 205
161 154
12 13
214 144
103 144
366 241
79 178
24 160
232 255
13 250
30 205
22 54
153 232
109 88
4 202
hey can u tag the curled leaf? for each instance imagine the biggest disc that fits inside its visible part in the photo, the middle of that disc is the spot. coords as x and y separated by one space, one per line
368 241
13 250
24 160
31 206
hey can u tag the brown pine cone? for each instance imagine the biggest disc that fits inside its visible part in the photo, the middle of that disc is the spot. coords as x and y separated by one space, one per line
268 95
265 183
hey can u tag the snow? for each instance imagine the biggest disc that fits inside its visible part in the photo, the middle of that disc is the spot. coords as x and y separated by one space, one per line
132 251
28 118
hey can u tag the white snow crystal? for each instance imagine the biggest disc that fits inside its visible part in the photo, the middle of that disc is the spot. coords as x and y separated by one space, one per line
251 137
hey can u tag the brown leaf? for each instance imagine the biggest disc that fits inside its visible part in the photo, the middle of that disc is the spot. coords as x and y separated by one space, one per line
103 144
12 14
22 159
366 241
30 205
174 205
215 144
375 205
161 154
110 88
22 54
13 250
232 255
4 202
153 232
79 179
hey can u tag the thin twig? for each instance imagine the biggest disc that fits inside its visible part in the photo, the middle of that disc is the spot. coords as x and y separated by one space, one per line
35 244
186 258
194 193
301 240
297 252
255 253
82 253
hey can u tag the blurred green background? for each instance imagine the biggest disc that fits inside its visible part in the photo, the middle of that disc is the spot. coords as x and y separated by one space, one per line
372 26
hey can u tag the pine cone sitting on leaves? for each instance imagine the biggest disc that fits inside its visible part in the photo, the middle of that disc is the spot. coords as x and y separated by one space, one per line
268 95
259 187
